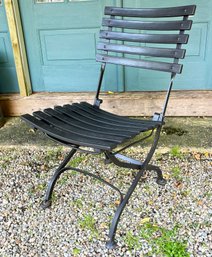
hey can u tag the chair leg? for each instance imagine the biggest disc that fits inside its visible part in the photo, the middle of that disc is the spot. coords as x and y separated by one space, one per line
160 180
112 232
47 199
111 244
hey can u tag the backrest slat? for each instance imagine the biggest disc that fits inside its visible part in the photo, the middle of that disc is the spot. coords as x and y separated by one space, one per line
151 12
125 34
145 38
150 65
145 51
145 25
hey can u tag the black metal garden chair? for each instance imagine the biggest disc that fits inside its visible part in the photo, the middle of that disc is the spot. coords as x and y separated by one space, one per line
82 126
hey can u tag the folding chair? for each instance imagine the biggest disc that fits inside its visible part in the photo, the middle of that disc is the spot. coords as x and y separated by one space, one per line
86 127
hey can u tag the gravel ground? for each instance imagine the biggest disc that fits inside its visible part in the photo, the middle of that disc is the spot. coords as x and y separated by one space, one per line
77 223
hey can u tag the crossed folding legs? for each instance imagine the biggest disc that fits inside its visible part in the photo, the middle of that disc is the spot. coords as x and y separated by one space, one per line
86 127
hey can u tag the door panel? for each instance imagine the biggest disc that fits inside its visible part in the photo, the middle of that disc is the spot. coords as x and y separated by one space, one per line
8 78
61 38
196 71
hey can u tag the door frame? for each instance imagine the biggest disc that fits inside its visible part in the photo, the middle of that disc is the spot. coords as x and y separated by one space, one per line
18 46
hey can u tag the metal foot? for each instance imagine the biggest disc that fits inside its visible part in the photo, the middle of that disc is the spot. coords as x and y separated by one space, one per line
161 181
111 244
45 204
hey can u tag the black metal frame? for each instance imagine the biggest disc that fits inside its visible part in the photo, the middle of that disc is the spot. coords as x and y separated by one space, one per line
121 161
46 123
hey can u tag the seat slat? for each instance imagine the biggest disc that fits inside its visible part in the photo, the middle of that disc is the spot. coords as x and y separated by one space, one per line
68 137
151 65
146 25
151 12
92 122
87 126
145 38
145 51
99 117
79 131
103 112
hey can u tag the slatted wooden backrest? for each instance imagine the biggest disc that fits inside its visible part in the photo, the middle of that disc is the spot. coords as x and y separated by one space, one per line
121 39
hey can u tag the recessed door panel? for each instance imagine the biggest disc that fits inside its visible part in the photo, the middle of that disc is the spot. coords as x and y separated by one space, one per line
61 38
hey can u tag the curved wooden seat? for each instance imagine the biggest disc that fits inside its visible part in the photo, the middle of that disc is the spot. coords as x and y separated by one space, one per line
84 124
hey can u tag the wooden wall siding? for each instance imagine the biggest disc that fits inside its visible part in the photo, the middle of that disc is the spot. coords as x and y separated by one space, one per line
16 34
8 78
186 103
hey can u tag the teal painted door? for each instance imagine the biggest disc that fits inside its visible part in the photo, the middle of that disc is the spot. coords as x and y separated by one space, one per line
8 78
61 37
197 73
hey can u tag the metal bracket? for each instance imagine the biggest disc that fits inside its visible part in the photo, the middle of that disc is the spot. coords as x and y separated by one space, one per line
97 102
157 116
